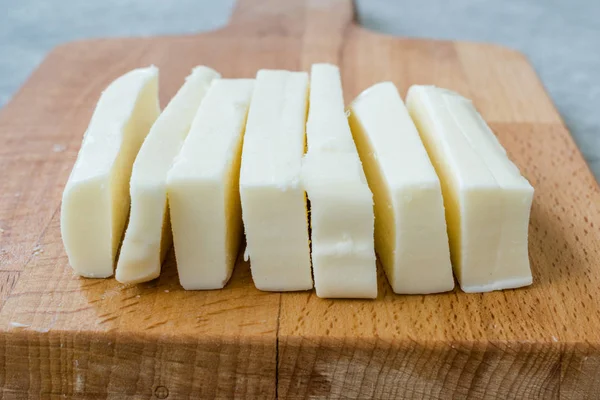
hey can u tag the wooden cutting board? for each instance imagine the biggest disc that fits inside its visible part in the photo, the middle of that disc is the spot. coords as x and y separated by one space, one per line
60 334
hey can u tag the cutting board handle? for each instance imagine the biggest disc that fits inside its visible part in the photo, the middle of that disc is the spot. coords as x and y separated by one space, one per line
292 17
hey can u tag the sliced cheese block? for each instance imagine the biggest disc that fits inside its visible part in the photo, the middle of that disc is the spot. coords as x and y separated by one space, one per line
410 229
95 201
273 198
343 254
487 200
203 188
148 235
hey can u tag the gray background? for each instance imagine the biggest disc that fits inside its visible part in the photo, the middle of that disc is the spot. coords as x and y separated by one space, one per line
560 37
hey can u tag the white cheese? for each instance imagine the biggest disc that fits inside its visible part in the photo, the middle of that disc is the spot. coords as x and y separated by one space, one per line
203 188
148 235
95 201
343 254
410 229
487 200
273 198
341 210
327 127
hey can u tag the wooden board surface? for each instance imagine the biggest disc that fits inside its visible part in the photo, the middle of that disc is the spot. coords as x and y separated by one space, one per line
60 334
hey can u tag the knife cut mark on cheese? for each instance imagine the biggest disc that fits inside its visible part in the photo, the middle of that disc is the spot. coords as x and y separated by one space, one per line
487 199
203 188
148 235
343 255
95 202
273 198
410 228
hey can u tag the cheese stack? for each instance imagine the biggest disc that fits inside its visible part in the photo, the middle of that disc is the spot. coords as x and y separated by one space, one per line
342 219
426 186
487 200
95 201
273 198
410 229
148 235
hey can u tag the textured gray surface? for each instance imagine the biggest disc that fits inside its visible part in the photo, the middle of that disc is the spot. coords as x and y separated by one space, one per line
560 37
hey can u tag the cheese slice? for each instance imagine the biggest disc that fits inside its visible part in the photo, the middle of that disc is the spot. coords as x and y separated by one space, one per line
203 188
148 235
95 201
487 200
273 198
343 254
410 229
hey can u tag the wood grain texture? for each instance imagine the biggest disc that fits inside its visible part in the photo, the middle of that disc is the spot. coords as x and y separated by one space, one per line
60 334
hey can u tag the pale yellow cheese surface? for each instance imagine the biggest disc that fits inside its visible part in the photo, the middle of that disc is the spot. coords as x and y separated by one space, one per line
95 202
272 196
342 219
203 188
343 254
410 228
487 200
148 235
